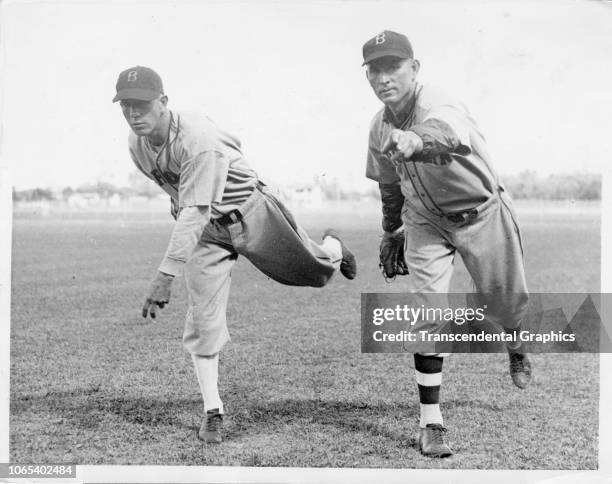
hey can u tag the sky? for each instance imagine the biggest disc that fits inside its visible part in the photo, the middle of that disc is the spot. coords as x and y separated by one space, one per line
286 78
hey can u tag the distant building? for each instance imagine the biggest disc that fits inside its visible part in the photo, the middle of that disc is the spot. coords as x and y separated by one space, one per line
311 195
84 200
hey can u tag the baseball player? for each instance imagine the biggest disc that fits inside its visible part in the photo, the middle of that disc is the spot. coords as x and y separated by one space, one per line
441 194
221 210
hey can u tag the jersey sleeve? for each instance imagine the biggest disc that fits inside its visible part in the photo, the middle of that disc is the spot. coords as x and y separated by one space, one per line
445 129
378 166
187 231
203 179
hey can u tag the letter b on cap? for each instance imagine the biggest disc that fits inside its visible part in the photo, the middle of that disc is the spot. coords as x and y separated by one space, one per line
132 76
380 38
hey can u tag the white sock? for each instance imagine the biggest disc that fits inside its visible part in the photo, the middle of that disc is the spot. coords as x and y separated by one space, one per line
430 414
207 371
333 247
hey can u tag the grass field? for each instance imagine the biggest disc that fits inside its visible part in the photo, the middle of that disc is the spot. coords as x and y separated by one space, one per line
93 383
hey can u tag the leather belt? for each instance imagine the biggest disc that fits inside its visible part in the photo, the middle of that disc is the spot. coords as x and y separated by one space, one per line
229 218
462 216
235 215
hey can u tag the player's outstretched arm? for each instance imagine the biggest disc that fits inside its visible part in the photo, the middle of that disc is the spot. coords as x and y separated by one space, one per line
401 145
427 141
440 138
188 229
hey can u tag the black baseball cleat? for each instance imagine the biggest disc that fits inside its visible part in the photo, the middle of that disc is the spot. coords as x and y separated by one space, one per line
431 441
210 431
520 369
348 266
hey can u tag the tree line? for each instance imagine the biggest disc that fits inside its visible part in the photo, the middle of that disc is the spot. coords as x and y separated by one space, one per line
525 185
528 185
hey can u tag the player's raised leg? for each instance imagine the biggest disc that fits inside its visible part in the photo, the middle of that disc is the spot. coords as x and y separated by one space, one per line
334 244
271 239
498 272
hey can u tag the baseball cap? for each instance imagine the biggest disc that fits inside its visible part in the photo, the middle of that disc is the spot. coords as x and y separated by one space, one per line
140 83
387 43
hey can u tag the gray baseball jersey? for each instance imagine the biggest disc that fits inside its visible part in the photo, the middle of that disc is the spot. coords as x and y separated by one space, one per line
453 173
453 202
202 168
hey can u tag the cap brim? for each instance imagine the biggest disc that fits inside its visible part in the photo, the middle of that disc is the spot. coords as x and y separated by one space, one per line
136 93
385 53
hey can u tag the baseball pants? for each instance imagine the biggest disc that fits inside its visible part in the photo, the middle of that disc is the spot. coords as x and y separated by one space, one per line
491 248
266 233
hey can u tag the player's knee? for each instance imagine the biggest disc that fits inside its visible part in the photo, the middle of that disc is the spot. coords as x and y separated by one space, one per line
320 280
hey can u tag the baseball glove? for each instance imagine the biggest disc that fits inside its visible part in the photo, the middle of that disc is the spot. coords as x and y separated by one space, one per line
392 262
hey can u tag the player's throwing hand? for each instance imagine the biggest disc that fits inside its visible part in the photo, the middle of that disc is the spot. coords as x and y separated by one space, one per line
159 294
401 145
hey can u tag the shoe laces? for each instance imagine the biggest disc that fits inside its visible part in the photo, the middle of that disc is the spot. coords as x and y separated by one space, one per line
213 421
437 435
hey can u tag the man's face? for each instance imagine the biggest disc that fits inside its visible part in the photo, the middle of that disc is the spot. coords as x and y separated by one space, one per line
144 116
392 79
